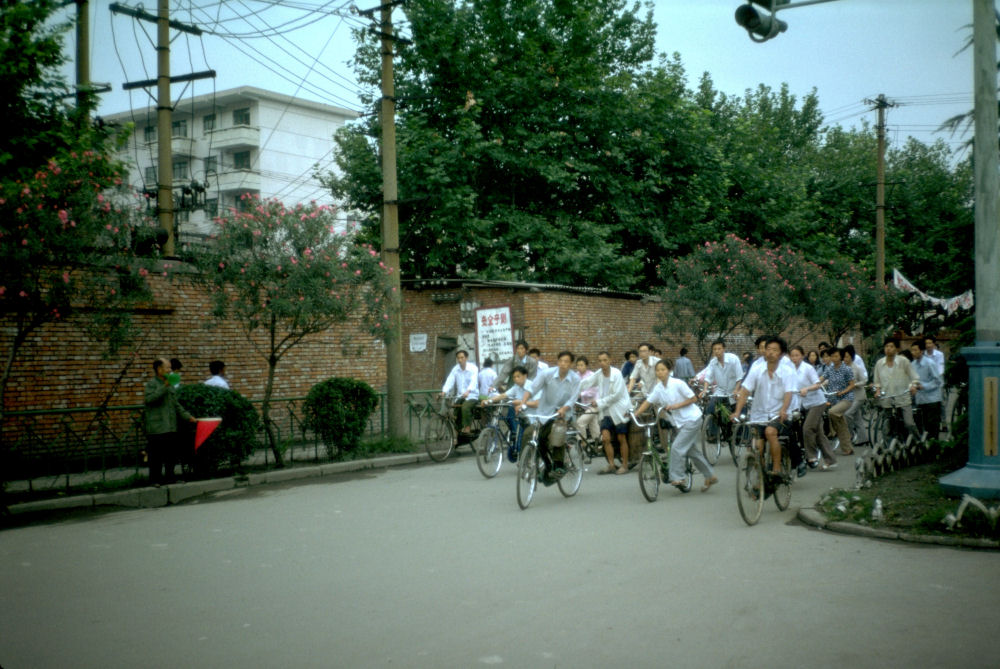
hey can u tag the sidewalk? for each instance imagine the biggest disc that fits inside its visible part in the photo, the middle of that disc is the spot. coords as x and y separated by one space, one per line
175 493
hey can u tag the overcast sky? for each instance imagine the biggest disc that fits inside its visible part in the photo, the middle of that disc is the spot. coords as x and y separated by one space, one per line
849 50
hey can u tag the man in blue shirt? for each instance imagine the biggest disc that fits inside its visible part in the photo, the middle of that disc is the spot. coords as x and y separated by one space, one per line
556 389
928 397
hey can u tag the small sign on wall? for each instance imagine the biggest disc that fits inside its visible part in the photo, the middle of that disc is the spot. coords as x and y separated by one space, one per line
418 343
494 334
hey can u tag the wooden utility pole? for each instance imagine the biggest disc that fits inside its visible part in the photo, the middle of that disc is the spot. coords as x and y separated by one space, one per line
880 105
390 229
83 58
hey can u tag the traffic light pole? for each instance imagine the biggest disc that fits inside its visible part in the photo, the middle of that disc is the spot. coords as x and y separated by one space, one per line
981 475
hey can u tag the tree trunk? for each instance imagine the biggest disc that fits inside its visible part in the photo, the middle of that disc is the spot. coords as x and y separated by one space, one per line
265 410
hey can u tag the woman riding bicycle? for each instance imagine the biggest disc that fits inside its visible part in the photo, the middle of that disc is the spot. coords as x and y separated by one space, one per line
681 404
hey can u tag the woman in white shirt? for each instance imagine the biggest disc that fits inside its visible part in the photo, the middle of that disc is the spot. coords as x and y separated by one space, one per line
681 404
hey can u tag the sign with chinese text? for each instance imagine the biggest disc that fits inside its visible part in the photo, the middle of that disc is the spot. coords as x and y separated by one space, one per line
494 334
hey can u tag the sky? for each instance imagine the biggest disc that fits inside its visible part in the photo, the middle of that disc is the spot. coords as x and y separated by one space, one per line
848 50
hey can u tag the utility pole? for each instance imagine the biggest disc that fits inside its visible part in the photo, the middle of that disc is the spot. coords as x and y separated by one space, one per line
880 105
164 116
390 221
164 109
83 59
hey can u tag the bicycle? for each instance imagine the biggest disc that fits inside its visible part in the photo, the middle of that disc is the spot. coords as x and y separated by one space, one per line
741 434
653 467
496 438
440 435
754 482
591 448
719 417
531 467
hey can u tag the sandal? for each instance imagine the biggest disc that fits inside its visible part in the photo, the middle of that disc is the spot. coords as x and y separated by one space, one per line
610 469
709 482
622 470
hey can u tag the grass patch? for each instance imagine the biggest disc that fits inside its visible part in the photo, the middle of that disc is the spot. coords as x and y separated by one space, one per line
382 446
912 501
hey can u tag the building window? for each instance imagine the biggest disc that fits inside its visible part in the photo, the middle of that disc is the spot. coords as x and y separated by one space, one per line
241 160
241 116
208 123
179 129
212 207
150 176
182 216
181 169
211 165
149 133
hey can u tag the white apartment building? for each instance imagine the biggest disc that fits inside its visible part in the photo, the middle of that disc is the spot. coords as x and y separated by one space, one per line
242 140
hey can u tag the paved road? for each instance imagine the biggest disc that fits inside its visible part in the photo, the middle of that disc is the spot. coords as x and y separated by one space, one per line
434 566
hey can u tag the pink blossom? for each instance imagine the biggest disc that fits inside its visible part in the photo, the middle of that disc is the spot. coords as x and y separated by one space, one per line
65 277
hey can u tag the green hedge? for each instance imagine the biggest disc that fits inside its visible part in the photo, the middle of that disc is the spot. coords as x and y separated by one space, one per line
235 438
338 410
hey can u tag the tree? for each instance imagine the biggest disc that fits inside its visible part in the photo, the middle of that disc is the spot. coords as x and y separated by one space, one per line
67 226
535 143
285 274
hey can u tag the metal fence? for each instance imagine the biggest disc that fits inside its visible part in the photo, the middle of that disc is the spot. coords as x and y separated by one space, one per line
60 448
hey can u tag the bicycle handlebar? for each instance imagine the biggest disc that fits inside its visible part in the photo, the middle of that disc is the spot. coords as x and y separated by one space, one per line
540 417
635 419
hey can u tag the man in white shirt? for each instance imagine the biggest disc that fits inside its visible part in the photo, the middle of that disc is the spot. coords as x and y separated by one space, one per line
895 383
644 370
536 355
936 355
217 369
772 385
463 382
724 371
612 408
487 378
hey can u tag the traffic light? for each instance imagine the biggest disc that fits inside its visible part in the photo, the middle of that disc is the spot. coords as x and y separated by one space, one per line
761 25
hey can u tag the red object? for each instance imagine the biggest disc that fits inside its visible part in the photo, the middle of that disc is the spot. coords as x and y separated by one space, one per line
203 428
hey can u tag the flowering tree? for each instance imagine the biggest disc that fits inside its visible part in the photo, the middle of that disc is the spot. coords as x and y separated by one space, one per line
285 273
731 285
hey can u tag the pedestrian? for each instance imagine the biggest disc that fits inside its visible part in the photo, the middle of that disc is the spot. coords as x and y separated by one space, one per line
487 379
161 413
928 397
175 372
683 369
217 369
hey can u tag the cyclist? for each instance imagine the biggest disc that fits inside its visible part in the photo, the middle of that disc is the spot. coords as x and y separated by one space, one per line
841 384
892 377
813 403
772 386
516 393
681 404
683 366
587 423
556 389
644 371
522 358
725 372
463 381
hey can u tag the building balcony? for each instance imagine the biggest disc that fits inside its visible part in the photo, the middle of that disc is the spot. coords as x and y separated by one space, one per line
238 137
184 146
235 181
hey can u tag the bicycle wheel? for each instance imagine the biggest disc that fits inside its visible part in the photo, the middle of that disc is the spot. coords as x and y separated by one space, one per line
750 487
737 445
569 484
783 490
527 475
649 477
489 451
688 476
439 437
711 446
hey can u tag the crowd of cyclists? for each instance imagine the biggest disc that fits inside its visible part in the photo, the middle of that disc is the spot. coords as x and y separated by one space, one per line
809 400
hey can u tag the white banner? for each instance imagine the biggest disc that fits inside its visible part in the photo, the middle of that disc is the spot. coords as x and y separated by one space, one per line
494 334
950 305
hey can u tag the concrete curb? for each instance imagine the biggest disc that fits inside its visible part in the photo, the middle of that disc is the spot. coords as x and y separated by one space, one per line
175 493
811 516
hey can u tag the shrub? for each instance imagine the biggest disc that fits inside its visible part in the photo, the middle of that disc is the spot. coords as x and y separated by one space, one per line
338 410
233 441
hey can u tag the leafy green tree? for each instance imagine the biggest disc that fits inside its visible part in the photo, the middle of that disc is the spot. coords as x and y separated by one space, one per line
536 142
288 273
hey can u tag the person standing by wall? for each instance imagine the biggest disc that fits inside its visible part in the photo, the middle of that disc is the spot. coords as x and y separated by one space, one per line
161 413
217 369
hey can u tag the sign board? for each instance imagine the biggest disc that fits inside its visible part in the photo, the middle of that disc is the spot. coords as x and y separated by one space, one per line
494 334
418 342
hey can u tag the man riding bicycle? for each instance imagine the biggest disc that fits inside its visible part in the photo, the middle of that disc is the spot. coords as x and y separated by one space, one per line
556 389
463 382
772 386
724 371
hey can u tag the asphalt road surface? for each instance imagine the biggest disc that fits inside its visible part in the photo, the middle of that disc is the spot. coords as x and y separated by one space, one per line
435 566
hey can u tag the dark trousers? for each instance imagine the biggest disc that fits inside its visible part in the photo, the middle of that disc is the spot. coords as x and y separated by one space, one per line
929 419
554 456
162 453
